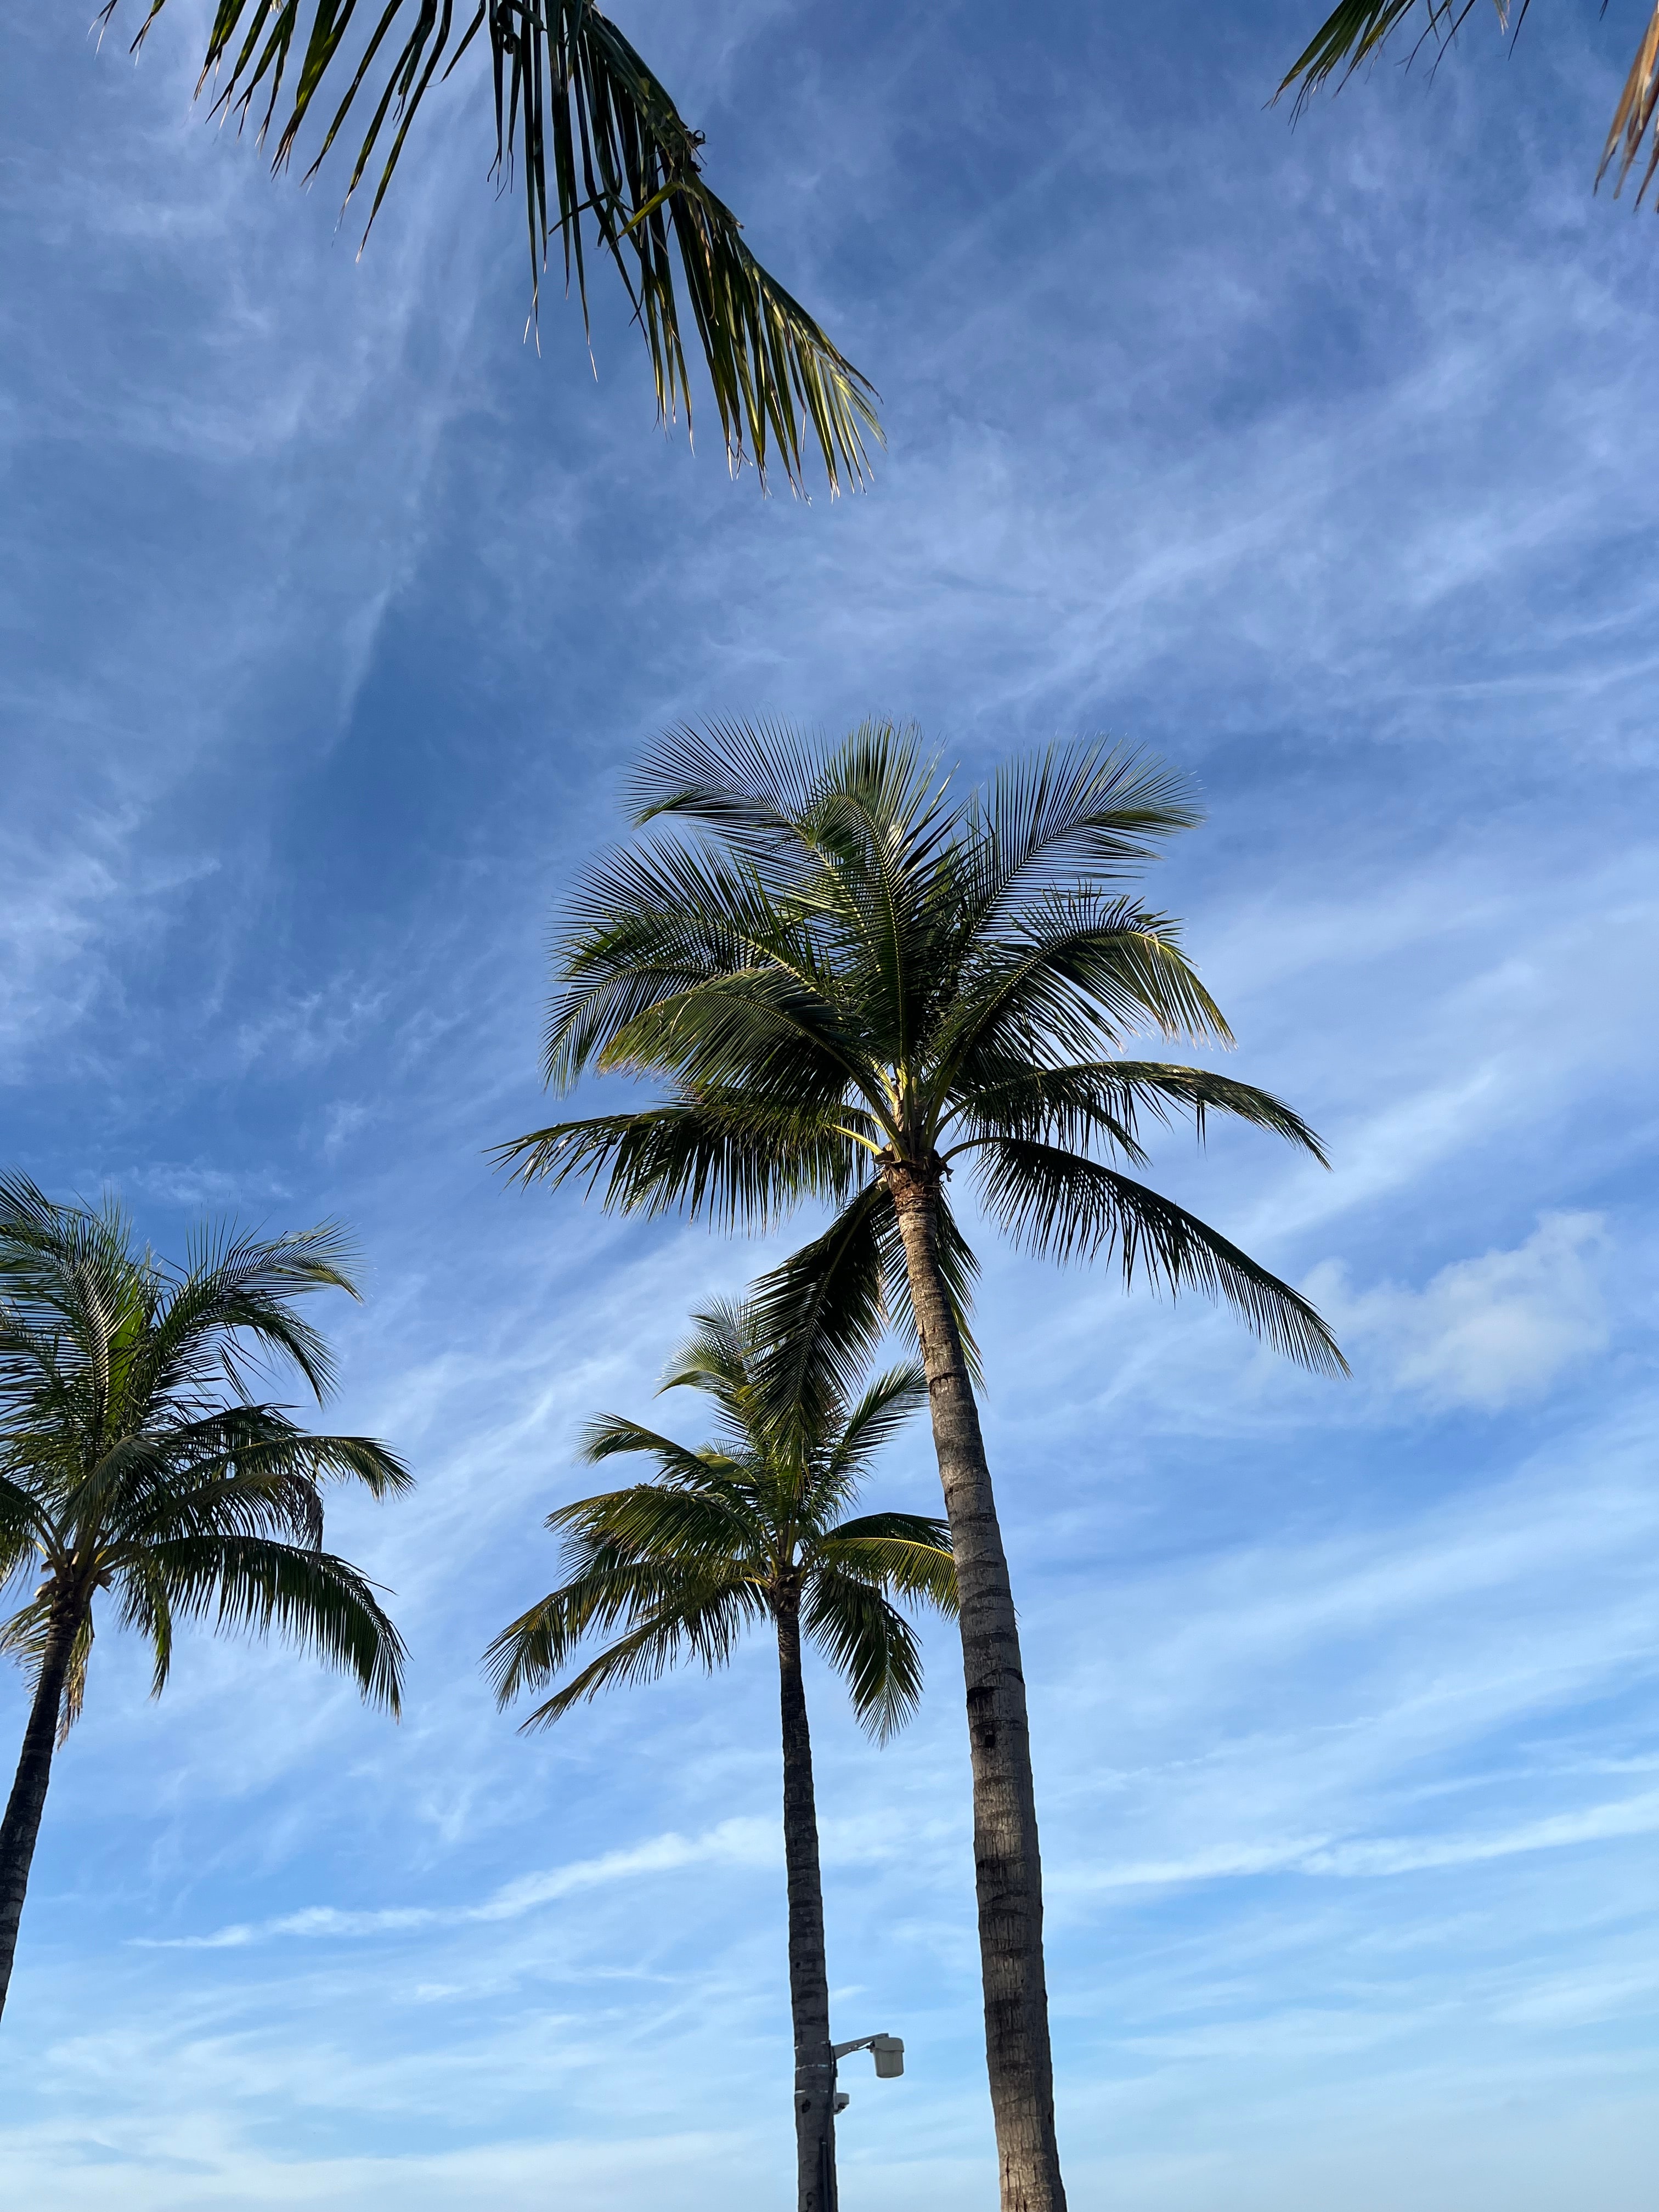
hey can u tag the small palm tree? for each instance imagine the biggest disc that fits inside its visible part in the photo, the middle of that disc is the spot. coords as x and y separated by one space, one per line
1357 30
857 987
595 137
134 1460
748 1530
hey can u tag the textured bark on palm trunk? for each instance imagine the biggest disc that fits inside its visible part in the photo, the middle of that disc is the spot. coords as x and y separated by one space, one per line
1007 1870
27 1801
809 1977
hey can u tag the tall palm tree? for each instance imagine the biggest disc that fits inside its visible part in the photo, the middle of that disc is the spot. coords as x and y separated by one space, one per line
748 1530
595 137
856 986
133 1460
1357 30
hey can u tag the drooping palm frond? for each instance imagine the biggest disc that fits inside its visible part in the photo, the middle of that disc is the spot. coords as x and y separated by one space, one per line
595 139
1065 1206
870 1645
1357 31
319 1603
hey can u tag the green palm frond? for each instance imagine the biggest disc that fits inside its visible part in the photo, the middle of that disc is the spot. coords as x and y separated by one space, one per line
1101 1099
908 1553
1355 32
672 1520
734 1164
1065 1206
891 1400
317 1601
608 1434
869 1643
697 1617
1049 820
600 151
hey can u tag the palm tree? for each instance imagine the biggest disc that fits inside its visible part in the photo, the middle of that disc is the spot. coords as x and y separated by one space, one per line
1359 29
594 136
133 1460
855 987
748 1530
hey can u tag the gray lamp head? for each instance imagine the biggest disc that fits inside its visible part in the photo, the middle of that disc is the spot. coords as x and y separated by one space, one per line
888 2051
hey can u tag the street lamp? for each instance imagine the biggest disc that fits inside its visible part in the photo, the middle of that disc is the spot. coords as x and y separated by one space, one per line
888 2051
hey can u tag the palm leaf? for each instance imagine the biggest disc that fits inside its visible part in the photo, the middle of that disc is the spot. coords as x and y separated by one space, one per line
318 1602
595 139
1065 1206
869 1643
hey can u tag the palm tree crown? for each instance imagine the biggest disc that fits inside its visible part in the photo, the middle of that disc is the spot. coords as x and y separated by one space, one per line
849 975
133 1460
729 1534
596 138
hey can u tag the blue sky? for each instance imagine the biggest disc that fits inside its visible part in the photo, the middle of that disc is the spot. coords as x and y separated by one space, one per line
1320 461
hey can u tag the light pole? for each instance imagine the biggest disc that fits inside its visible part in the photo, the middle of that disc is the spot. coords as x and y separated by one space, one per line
888 2051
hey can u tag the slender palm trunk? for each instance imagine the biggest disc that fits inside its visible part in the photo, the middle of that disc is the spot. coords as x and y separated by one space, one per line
809 1975
21 1824
1007 1870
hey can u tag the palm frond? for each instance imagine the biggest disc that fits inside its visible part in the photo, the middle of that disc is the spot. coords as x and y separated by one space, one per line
1071 817
1088 1100
731 1161
1355 32
890 1401
823 1311
596 140
906 1554
701 1621
318 1602
867 1642
1065 1206
608 1434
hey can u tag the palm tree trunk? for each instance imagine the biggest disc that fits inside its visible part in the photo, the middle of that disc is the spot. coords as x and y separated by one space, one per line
808 1974
27 1801
1007 1868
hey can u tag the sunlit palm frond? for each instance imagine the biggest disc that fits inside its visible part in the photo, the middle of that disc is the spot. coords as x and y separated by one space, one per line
906 1554
596 142
699 1619
869 1643
733 1163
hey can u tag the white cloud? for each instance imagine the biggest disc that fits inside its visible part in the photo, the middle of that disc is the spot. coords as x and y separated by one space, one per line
1491 1332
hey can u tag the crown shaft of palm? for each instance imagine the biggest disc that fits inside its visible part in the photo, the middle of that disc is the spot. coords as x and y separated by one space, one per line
751 1527
134 1461
854 986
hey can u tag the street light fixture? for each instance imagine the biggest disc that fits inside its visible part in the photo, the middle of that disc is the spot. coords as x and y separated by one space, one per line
888 2051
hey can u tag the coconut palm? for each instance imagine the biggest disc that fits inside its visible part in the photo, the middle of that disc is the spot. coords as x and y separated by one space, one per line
595 138
858 988
1357 30
135 1461
745 1530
